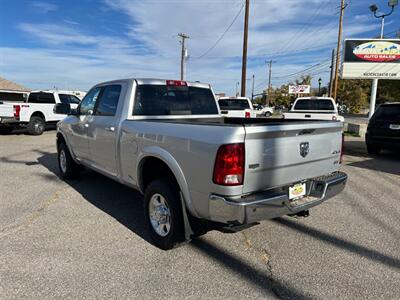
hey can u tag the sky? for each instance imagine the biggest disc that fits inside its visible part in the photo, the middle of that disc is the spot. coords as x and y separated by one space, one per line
75 44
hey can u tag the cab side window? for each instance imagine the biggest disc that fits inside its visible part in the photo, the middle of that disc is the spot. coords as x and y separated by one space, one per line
108 101
89 101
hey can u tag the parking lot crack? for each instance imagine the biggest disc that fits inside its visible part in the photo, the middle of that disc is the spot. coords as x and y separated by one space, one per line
265 257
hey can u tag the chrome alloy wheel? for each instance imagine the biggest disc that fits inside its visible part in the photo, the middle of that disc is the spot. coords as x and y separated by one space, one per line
63 161
160 215
38 127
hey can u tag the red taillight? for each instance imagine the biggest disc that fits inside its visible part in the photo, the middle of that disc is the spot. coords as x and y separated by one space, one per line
17 110
247 114
229 165
342 149
176 83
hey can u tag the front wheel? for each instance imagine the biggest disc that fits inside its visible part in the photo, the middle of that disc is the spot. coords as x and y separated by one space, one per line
163 213
69 169
267 114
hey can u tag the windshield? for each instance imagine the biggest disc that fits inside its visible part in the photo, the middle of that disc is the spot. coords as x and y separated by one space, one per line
320 104
233 104
162 100
388 112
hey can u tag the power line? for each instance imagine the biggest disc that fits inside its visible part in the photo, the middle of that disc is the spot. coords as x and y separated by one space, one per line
303 29
223 34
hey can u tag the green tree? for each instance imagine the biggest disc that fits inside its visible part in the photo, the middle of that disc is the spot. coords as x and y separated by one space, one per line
354 94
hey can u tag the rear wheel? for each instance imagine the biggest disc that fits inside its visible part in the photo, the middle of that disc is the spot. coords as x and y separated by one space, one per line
36 125
163 213
267 114
69 169
373 149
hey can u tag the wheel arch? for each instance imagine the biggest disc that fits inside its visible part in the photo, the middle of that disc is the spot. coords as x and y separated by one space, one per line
155 158
38 114
61 138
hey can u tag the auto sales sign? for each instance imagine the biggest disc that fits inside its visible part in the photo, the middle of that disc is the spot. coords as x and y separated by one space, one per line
299 89
371 59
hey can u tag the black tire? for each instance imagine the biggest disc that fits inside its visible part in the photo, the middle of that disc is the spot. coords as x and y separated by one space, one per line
71 169
36 125
267 114
169 191
6 129
373 149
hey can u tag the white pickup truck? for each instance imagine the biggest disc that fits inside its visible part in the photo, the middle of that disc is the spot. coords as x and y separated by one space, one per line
236 107
314 108
36 112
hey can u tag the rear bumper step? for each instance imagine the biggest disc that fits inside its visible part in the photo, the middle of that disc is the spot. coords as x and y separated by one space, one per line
268 205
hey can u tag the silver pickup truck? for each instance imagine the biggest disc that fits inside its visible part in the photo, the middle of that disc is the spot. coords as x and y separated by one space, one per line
167 139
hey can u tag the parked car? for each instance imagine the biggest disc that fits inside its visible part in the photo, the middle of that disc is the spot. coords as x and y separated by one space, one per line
266 111
168 140
36 112
384 129
236 107
314 108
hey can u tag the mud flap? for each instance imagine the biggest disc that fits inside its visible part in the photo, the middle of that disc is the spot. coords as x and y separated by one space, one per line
187 228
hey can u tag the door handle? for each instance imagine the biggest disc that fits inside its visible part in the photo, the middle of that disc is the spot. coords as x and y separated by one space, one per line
111 128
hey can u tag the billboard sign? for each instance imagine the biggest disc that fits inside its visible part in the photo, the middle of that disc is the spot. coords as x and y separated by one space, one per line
370 59
299 89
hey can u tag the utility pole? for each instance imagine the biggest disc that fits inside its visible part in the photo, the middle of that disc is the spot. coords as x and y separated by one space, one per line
269 82
183 54
252 89
245 38
336 84
332 73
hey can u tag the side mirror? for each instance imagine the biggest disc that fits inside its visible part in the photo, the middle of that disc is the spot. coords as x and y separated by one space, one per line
62 109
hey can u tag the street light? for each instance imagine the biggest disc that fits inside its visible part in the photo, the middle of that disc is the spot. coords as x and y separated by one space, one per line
374 9
319 86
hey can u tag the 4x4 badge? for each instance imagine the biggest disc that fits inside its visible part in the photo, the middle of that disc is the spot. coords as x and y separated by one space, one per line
304 149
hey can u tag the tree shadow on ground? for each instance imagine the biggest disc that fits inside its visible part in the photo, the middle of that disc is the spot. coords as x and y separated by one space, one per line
371 254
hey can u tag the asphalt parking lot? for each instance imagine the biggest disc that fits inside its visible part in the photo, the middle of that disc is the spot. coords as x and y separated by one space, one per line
85 238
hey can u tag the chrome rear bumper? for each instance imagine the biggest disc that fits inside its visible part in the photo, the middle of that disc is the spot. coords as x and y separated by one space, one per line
275 203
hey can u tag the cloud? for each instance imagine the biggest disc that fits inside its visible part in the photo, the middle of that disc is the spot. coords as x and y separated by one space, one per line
44 7
69 55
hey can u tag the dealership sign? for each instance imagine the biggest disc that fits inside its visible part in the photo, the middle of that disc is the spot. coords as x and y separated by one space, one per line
371 59
299 89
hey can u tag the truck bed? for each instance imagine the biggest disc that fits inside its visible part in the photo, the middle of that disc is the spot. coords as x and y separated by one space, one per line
272 146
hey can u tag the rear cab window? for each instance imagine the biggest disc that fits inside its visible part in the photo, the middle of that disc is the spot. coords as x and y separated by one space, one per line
163 100
388 112
233 104
41 97
310 104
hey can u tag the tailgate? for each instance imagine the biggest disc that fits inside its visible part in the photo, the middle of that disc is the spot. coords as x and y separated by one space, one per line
276 155
310 115
6 111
